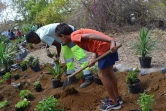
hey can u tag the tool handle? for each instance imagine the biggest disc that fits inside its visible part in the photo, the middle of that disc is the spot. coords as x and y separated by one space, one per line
100 57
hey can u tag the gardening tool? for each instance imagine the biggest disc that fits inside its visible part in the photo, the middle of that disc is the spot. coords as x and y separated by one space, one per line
67 82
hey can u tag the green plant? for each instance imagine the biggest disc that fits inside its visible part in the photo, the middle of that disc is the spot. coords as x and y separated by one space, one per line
48 104
7 52
23 63
3 104
35 62
22 104
30 59
145 44
26 94
146 102
132 76
37 84
7 76
16 74
2 81
57 70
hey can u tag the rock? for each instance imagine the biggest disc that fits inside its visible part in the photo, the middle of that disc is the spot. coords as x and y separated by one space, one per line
144 72
163 70
148 89
122 68
155 87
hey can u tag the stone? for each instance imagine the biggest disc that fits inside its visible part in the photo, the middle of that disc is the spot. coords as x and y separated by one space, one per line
163 70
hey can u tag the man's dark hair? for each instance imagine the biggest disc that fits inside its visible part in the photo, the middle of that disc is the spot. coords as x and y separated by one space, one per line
30 35
64 29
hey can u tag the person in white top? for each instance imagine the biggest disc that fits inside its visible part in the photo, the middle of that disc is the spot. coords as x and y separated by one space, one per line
47 34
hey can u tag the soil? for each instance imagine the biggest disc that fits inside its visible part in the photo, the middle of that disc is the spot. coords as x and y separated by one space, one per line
74 98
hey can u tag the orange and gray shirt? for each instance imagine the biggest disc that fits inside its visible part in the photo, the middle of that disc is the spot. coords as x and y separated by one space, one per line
95 46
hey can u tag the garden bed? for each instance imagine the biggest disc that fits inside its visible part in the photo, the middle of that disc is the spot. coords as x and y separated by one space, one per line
86 99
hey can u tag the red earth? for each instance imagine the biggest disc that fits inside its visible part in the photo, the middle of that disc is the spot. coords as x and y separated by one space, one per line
87 99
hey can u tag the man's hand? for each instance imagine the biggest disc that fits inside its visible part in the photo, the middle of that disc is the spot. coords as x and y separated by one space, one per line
49 53
113 47
90 64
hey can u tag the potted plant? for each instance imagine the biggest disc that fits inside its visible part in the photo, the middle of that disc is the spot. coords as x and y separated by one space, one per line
26 94
16 76
95 75
37 86
7 52
133 82
144 46
35 65
30 59
48 104
22 105
57 72
23 65
146 102
7 78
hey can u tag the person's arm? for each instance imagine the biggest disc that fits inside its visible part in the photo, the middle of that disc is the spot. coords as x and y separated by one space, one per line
58 47
96 37
51 41
100 38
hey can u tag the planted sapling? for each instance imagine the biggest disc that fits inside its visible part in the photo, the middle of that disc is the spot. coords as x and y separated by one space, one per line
146 102
22 104
48 104
26 94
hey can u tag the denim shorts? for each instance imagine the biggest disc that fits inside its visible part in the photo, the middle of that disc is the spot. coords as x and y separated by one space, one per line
108 60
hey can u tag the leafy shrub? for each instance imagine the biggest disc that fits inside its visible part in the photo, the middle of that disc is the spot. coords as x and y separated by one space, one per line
23 63
35 62
37 84
22 104
26 94
132 76
57 70
7 52
7 76
30 59
3 104
146 102
2 81
48 104
145 44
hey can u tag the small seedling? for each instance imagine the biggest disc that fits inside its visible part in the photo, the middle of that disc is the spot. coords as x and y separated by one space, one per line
7 76
146 102
3 104
26 94
48 104
22 104
132 76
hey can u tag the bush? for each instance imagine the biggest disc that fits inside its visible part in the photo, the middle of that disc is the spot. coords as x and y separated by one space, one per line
146 102
22 104
48 104
3 104
7 76
145 44
26 94
37 84
132 76
23 63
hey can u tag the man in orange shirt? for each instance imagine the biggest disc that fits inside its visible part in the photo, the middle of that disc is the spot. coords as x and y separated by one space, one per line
98 43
